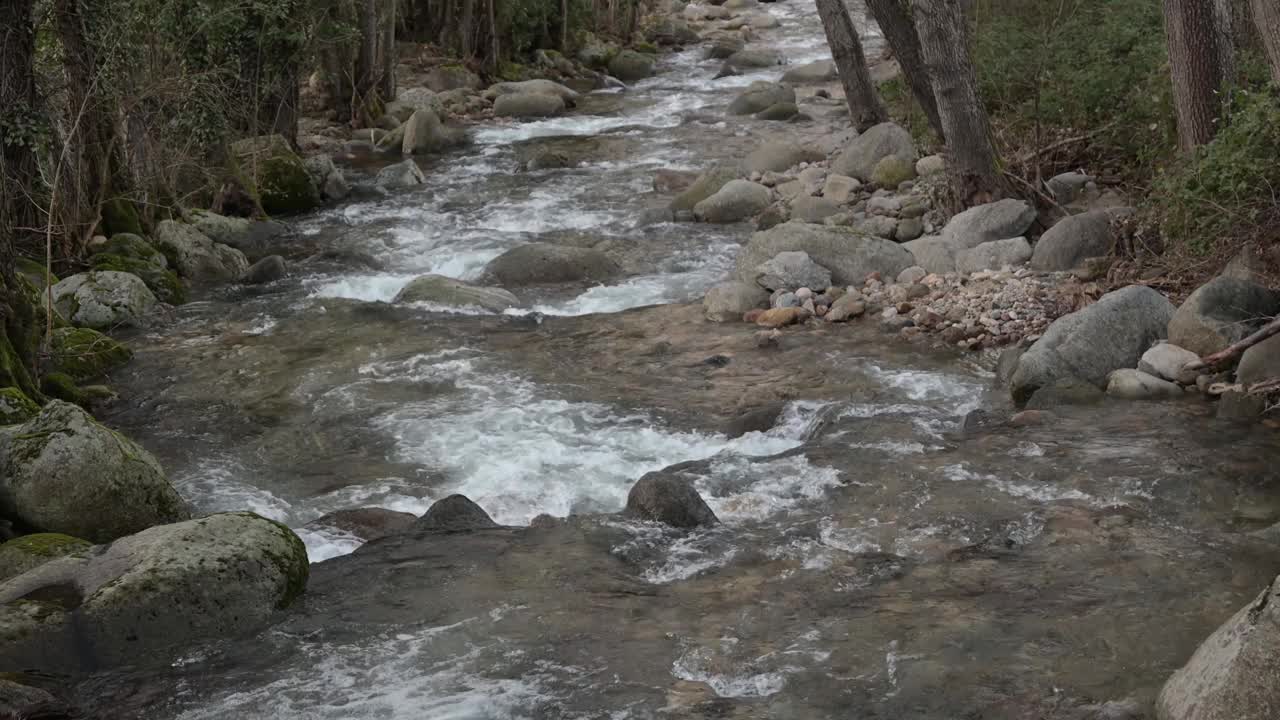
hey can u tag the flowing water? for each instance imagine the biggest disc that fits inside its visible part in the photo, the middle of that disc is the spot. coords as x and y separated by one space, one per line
876 558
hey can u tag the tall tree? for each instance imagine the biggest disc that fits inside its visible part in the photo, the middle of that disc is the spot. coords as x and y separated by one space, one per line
966 127
894 19
1266 16
1196 66
865 108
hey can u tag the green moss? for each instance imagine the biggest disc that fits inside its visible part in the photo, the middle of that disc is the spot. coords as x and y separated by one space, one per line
34 272
132 246
62 387
16 407
120 216
511 71
285 187
645 47
164 283
20 335
81 353
49 545
293 564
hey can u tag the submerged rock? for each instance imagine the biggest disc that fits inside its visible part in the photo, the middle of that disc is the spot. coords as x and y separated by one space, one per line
455 513
401 175
666 497
103 299
367 524
154 592
455 293
544 263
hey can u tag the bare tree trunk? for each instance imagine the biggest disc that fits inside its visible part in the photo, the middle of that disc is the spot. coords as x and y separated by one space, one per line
1196 69
1227 31
943 45
865 108
389 55
466 29
368 68
1266 17
895 23
495 53
85 179
564 26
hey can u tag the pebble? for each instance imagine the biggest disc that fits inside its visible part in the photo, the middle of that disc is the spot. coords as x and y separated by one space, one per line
803 294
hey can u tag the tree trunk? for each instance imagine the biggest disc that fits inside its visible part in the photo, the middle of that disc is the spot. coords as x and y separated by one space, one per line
389 55
495 53
865 108
1266 16
564 26
85 177
466 29
368 69
895 23
945 50
1196 69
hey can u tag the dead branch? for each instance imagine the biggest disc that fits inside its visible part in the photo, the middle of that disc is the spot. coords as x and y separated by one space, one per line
1039 152
1236 349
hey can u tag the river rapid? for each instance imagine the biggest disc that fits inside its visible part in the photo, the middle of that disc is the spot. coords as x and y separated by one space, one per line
877 558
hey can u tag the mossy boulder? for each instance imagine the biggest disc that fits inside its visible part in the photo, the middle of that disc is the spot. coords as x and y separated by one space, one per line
64 472
120 216
61 386
84 354
269 165
130 253
16 407
103 299
31 551
133 246
34 272
630 66
151 593
892 171
196 256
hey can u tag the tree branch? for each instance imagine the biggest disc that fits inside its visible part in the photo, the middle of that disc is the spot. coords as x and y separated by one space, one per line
1232 351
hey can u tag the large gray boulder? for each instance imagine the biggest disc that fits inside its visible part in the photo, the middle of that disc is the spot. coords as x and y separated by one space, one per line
442 290
325 175
999 220
738 200
729 301
230 230
791 271
667 497
934 253
423 133
810 209
707 184
630 66
412 99
864 152
1220 312
1090 343
154 592
755 59
814 73
528 105
1072 240
103 299
993 255
1235 674
778 156
535 87
543 263
850 256
761 95
196 256
62 472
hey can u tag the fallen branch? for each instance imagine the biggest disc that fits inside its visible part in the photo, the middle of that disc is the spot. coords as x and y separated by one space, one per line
1037 153
1232 351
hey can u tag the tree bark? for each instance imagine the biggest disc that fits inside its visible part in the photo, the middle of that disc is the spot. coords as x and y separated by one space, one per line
894 19
944 48
865 108
1196 69
387 87
1266 17
466 31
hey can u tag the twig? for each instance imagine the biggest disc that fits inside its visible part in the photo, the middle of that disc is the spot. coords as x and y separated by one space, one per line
1062 143
1232 351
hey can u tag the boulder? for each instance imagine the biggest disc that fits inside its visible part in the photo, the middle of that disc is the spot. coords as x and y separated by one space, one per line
778 112
228 230
777 156
754 59
412 99
704 12
103 299
1073 239
1166 360
812 209
1130 384
908 229
1067 187
443 78
1221 312
724 44
761 95
707 184
764 21
999 220
1258 363
155 592
671 31
455 513
325 175
526 105
729 301
367 524
850 256
533 87
630 66
1089 344
254 237
441 290
269 164
65 473
267 270
84 354
931 165
814 73
197 257
596 53
31 551
668 498
1235 674
993 255
892 171
20 701
543 263
738 200
423 133
403 174
846 307
840 189
15 407
791 271
864 152
934 253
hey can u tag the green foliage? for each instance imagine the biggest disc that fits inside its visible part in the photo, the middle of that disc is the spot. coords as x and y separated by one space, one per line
1228 187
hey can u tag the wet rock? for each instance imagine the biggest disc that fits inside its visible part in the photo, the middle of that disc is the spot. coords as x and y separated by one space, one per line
840 189
864 152
1166 360
727 302
1031 418
849 256
543 263
931 165
1235 674
777 157
324 174
935 254
845 308
814 73
760 419
993 255
443 78
441 290
401 175
665 497
31 551
528 105
367 524
791 270
671 31
1072 240
630 66
230 230
764 21
26 702
195 256
1131 384
782 317
1064 391
103 299
1089 344
705 12
455 513
1220 312
737 200
761 95
159 590
999 220
813 209
778 112
754 59
672 181
423 134
533 87
268 269
707 184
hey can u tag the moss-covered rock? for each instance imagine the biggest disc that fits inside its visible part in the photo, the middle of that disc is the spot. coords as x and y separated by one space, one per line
31 551
120 216
162 282
20 338
197 257
16 407
270 166
34 272
103 299
61 386
84 354
133 246
892 171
